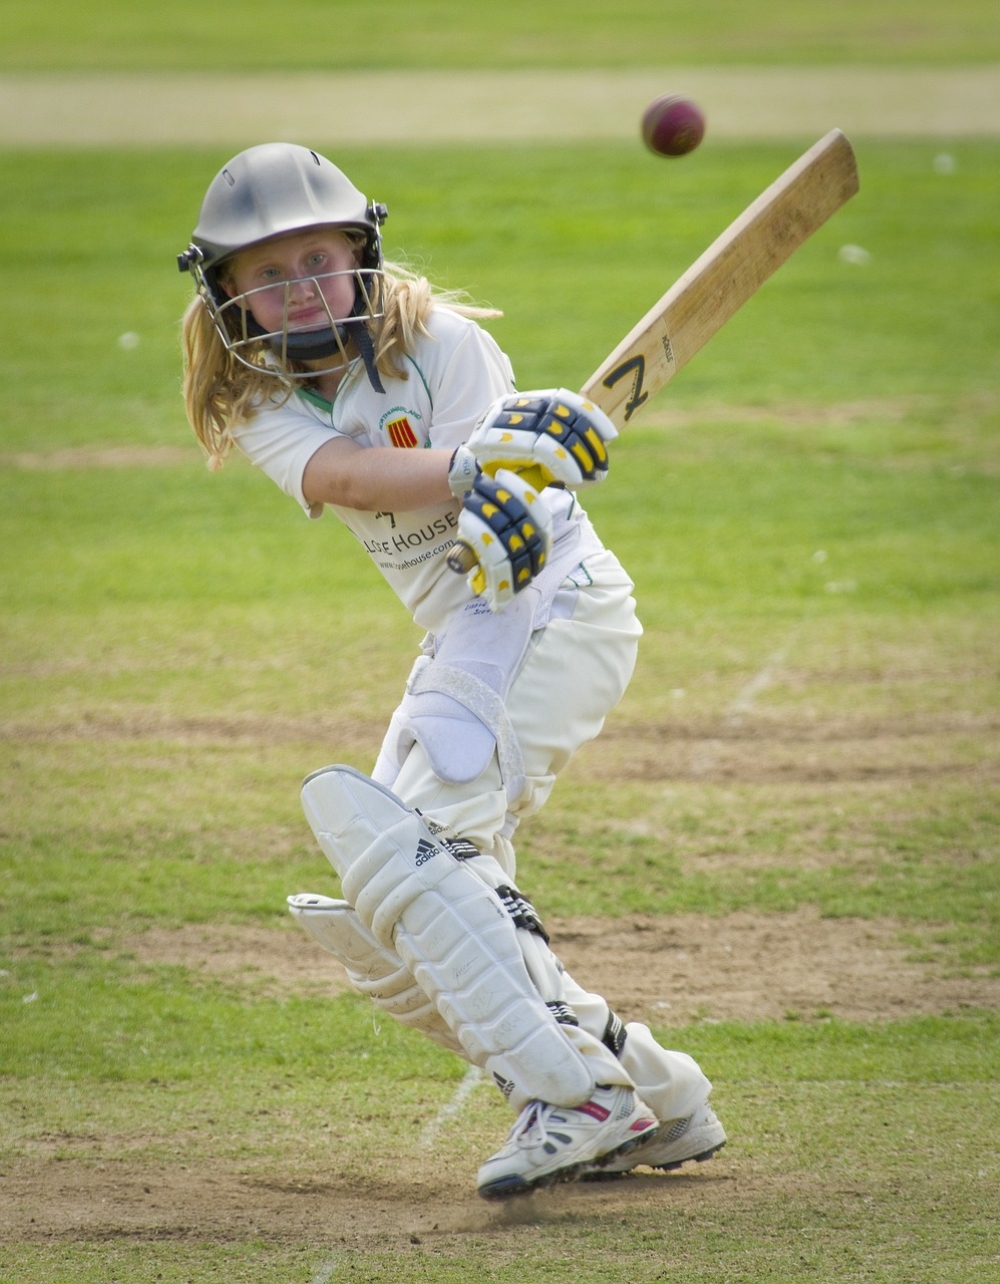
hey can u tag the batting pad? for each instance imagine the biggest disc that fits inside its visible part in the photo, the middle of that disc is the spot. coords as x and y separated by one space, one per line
371 969
454 936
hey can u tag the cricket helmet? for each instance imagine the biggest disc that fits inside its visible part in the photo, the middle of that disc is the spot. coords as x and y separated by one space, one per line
264 192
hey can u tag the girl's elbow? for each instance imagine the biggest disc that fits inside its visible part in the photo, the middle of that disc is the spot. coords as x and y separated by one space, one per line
340 486
342 492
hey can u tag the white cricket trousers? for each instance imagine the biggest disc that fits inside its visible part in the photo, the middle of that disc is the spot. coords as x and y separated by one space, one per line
576 670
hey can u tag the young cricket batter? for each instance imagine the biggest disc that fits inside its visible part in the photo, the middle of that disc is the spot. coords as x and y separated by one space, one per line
357 388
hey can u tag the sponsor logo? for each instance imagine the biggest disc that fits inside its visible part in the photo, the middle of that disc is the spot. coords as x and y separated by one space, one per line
403 541
425 851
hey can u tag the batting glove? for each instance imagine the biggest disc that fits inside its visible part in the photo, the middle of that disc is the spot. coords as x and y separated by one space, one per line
505 533
554 436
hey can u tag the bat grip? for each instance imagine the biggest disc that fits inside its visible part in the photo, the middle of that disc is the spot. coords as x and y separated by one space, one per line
462 558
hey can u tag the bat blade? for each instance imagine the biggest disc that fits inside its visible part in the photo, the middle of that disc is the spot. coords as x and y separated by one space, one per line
732 269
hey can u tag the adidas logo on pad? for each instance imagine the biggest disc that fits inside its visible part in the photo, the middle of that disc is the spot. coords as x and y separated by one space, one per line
425 851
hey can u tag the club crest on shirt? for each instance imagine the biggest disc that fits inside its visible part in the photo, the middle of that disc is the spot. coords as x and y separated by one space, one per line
400 432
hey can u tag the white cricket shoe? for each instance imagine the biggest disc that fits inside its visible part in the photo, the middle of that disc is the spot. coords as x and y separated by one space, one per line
555 1143
674 1142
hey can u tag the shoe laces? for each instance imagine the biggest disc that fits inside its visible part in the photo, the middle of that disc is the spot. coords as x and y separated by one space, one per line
531 1128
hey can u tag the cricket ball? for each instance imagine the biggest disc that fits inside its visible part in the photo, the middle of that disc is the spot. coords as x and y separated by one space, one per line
672 125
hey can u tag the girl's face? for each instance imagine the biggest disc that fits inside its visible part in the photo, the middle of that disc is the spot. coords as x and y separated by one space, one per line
289 278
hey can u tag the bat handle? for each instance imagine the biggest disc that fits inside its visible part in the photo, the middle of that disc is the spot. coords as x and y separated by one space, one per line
462 558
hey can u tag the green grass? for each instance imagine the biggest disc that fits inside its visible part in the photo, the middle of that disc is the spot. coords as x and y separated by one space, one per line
325 35
814 499
841 1175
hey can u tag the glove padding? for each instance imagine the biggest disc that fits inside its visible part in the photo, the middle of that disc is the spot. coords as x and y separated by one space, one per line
549 436
505 533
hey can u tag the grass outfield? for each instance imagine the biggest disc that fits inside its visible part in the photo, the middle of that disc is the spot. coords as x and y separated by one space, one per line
117 35
811 739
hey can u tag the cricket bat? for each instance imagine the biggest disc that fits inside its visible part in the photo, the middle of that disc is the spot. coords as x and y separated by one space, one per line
733 268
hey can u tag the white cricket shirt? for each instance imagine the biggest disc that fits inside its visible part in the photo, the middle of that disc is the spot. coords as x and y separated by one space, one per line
452 376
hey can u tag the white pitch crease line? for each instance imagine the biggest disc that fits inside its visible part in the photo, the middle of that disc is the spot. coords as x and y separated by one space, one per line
470 1081
704 760
472 1078
745 700
325 1274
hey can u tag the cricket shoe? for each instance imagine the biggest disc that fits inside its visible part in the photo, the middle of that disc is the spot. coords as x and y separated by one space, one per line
555 1143
674 1142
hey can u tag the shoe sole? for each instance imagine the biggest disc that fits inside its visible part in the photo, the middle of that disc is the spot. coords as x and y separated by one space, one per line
506 1187
595 1173
691 1159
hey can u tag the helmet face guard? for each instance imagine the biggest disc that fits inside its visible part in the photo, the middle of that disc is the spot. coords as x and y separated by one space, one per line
246 339
270 191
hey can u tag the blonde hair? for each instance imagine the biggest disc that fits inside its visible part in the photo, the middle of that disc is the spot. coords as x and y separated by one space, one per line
221 391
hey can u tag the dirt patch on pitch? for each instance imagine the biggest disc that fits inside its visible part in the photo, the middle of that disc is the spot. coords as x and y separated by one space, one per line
431 1207
750 967
666 970
71 458
904 750
792 415
518 105
663 970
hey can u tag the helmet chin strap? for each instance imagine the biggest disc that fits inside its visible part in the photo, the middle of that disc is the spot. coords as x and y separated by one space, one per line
314 345
358 331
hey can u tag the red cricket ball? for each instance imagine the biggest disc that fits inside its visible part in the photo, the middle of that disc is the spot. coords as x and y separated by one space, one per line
672 125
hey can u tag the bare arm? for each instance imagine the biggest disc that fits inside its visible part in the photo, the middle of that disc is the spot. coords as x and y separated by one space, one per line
376 479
